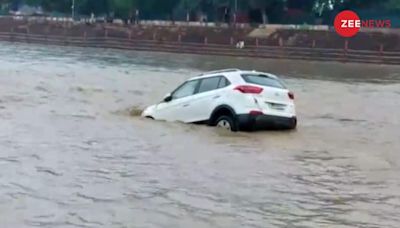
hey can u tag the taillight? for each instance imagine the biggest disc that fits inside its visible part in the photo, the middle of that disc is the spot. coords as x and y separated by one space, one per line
291 95
249 89
256 113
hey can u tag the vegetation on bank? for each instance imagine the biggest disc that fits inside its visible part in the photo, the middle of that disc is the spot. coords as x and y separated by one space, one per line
178 9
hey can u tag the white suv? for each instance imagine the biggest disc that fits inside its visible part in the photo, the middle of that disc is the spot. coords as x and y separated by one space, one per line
232 99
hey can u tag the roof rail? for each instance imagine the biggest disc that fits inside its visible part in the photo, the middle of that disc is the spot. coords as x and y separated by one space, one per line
220 71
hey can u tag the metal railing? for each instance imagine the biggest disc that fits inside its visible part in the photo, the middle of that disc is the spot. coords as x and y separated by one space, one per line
258 51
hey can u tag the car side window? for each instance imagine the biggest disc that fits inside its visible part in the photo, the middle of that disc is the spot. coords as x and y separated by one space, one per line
223 83
185 90
209 84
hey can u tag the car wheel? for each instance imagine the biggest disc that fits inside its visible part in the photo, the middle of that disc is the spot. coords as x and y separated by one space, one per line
227 123
293 124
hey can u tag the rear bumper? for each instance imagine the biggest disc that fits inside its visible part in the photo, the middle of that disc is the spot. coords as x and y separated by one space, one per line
264 122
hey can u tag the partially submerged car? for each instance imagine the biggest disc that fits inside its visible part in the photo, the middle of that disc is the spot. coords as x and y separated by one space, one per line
232 99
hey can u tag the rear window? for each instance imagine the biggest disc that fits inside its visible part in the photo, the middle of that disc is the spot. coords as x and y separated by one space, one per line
263 80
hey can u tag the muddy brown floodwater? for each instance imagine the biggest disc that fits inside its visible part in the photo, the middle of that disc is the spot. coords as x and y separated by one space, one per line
71 155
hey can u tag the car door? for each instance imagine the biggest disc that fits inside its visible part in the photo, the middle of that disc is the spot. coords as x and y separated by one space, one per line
203 102
176 109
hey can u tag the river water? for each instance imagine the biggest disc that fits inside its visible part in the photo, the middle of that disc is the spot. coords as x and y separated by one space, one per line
74 153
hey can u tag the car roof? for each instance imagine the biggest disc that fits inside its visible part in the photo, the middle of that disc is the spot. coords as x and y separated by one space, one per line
230 73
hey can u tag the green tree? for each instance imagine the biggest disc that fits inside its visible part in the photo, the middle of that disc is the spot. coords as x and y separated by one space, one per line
393 5
163 8
97 7
155 7
124 8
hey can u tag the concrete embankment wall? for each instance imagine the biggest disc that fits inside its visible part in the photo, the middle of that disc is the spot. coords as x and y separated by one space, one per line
382 47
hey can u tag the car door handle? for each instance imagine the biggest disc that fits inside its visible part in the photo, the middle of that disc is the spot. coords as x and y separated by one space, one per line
216 97
186 105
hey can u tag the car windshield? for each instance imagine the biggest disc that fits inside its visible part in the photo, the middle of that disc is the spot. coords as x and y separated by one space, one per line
263 80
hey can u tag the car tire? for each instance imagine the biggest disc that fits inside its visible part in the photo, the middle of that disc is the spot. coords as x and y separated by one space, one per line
293 124
227 122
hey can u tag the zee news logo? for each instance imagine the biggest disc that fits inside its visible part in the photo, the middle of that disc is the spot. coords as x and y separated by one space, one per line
348 23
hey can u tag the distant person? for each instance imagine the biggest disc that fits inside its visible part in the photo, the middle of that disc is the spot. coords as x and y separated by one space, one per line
92 18
137 14
131 19
226 15
203 18
240 45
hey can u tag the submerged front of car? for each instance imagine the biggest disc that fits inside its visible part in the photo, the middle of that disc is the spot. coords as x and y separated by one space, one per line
149 112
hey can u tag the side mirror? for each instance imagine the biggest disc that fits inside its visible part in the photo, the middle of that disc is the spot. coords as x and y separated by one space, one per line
168 98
